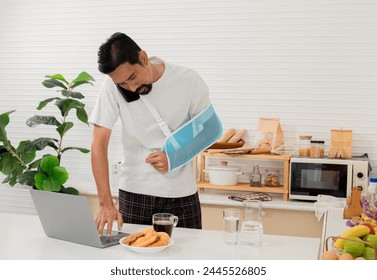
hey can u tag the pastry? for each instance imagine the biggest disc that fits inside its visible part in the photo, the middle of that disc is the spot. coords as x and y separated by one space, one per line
163 240
144 241
227 135
237 136
147 238
132 237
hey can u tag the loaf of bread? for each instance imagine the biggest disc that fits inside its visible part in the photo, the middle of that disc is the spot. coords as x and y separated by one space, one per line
227 135
237 136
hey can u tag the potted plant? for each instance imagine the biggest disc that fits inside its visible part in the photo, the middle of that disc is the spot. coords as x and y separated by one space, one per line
20 163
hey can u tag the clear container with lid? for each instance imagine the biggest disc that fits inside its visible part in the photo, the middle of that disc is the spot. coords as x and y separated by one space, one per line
272 178
317 148
372 191
304 146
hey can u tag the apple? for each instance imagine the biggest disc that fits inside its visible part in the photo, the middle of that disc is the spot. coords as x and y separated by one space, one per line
371 239
372 231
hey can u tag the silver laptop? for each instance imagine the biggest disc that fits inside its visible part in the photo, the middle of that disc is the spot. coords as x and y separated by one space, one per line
69 218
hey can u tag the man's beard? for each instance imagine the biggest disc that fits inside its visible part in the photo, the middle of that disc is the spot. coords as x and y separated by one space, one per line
144 89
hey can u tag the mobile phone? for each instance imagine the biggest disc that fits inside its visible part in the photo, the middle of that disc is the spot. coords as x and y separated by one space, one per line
129 96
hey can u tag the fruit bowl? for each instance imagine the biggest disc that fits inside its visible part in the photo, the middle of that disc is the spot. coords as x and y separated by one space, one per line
340 251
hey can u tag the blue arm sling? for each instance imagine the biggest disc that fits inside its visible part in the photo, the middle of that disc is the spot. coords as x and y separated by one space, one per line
190 139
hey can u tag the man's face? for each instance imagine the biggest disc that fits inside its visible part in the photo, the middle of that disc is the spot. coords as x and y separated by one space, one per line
136 78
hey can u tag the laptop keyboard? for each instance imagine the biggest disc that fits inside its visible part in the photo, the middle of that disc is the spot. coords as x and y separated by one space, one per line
112 239
109 239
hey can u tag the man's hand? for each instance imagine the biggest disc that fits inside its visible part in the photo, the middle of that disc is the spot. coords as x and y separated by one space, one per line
107 215
159 161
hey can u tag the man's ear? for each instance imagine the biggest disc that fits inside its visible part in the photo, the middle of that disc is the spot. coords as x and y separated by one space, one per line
143 57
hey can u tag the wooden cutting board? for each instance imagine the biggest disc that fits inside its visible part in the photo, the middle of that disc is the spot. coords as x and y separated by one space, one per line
354 209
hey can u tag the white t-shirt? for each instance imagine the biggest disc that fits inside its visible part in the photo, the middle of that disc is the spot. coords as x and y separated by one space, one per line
178 95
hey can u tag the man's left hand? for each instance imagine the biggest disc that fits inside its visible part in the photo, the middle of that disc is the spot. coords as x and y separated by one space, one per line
159 161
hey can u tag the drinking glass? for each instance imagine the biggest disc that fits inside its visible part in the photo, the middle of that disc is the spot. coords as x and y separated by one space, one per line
164 222
231 225
251 229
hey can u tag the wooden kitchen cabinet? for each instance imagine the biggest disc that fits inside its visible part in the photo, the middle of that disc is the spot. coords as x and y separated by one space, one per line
275 221
282 189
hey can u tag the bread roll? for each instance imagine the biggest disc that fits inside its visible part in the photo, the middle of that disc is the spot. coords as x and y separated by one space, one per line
238 136
227 135
146 240
163 240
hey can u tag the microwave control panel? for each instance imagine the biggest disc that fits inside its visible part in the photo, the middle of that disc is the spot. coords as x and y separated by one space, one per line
360 174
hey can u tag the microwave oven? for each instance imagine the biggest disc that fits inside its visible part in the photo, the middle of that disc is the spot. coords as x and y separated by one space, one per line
310 177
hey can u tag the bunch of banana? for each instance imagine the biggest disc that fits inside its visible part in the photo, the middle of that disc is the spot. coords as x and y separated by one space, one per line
364 218
356 231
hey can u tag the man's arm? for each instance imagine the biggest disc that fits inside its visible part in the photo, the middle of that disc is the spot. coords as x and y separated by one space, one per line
100 168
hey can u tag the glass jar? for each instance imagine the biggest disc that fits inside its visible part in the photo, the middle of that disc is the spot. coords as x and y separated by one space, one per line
272 178
317 148
304 146
255 177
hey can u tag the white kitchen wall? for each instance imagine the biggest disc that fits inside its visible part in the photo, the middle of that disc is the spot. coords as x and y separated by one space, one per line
312 63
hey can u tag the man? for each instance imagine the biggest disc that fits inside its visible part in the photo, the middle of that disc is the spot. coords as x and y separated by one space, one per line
146 187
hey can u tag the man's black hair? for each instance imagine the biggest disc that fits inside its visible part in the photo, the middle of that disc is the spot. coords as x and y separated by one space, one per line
118 49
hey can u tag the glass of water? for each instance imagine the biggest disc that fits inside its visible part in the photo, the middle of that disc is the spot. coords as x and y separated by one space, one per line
251 229
231 225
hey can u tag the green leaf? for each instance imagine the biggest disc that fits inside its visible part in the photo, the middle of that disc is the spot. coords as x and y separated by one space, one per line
41 143
43 103
82 115
83 150
11 179
37 120
4 121
39 179
73 94
70 190
48 163
26 156
8 163
65 105
2 150
49 184
82 78
80 83
58 77
50 83
60 174
64 127
27 178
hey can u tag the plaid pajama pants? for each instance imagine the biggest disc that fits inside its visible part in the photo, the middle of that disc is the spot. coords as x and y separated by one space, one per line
139 208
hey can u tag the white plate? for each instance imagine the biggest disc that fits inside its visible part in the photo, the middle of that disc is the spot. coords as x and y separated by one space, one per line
147 250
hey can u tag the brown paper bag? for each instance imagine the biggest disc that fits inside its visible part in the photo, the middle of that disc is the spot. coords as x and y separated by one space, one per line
269 134
341 144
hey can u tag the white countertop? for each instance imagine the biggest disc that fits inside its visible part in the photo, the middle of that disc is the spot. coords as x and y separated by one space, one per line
24 239
220 197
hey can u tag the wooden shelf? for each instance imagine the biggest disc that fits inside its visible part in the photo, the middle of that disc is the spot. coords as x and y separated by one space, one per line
251 156
283 189
242 187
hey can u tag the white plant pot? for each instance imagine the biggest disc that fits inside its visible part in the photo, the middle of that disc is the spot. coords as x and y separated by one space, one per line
223 176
